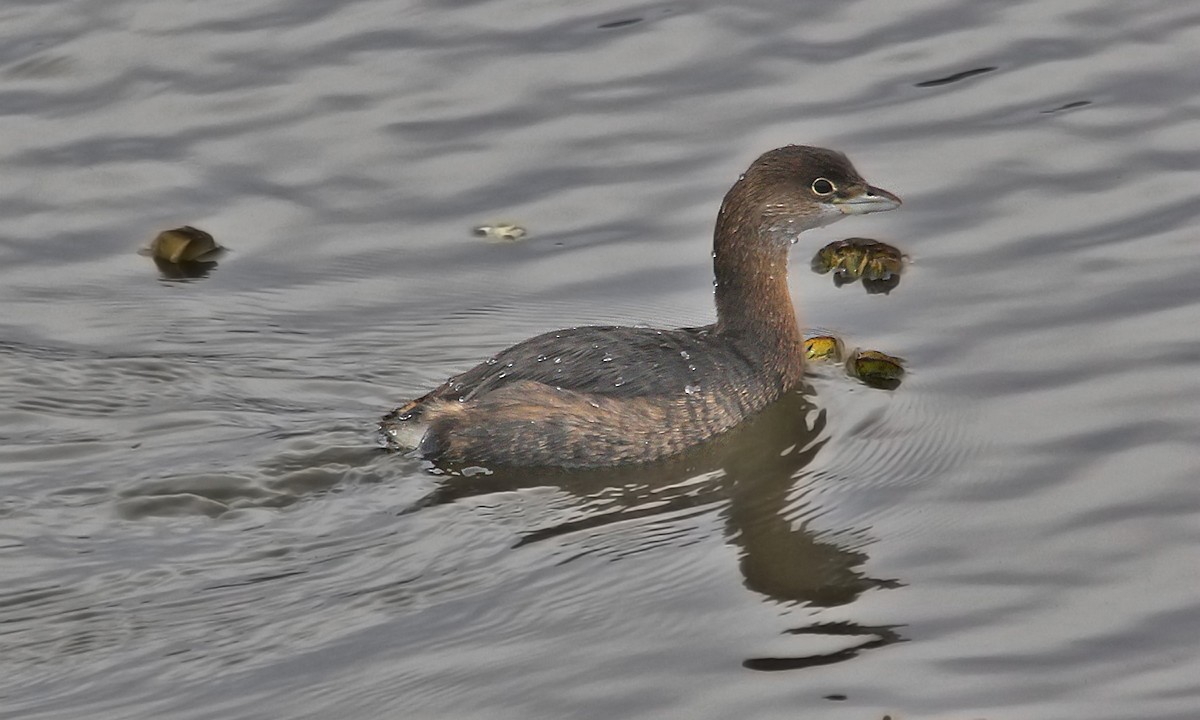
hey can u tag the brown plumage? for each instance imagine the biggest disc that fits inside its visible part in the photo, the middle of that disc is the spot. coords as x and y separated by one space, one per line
598 396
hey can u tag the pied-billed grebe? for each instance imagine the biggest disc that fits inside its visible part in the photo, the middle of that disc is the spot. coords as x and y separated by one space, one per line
597 396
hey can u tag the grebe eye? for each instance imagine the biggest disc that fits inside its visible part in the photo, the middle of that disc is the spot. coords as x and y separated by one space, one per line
821 186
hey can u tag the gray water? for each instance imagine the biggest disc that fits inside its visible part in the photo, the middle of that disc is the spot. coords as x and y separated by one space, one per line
196 520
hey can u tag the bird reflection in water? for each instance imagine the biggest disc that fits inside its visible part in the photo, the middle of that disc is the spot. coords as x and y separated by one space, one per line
749 475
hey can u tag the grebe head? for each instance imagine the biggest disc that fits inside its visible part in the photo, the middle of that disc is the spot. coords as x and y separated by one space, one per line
799 187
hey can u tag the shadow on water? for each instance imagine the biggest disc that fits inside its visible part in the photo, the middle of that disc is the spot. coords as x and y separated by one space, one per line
753 475
194 270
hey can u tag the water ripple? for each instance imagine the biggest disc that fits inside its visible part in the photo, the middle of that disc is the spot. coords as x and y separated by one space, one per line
197 523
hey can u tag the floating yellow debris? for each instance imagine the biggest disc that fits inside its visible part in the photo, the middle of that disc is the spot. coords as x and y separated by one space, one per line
856 258
183 245
503 231
823 347
875 368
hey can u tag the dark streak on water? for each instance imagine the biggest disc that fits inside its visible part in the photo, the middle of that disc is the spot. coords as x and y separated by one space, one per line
956 77
196 522
619 23
1069 106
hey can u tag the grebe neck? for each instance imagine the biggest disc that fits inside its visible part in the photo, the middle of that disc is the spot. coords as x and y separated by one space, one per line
752 295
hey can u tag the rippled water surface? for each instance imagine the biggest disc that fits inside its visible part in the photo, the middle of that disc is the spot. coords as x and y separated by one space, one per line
196 520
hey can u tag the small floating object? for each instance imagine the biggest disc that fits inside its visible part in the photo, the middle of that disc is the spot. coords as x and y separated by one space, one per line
183 245
851 262
875 368
502 231
823 347
877 264
827 258
875 287
882 264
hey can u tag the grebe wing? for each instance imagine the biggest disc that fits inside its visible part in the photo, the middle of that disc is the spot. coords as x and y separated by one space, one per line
612 361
